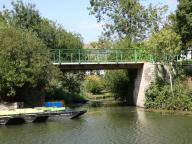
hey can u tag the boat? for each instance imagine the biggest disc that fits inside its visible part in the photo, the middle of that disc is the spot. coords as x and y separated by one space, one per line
36 115
11 120
62 112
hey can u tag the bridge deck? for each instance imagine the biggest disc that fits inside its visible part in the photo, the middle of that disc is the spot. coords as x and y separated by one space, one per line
99 66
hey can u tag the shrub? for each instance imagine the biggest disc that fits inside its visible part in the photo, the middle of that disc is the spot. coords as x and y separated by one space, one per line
93 84
117 82
159 96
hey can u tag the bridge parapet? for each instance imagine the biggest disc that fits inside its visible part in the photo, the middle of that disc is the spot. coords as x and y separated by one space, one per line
108 56
61 56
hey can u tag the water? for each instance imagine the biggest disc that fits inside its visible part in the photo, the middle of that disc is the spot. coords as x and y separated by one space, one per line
117 125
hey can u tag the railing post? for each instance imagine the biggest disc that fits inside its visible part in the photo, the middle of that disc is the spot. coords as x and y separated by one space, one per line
98 56
79 53
116 55
177 58
55 57
71 57
135 55
59 56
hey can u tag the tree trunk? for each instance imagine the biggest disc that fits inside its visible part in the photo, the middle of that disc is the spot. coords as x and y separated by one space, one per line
170 71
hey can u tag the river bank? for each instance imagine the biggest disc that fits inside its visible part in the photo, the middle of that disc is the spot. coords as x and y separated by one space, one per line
169 112
112 103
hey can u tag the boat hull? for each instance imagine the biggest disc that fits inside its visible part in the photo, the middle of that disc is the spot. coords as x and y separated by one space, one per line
39 117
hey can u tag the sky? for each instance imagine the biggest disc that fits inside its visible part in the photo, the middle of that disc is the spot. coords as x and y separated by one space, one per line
74 16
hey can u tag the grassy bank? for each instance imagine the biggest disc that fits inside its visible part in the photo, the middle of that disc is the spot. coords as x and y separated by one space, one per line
169 112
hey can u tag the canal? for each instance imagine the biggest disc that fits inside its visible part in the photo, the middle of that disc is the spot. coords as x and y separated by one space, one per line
113 125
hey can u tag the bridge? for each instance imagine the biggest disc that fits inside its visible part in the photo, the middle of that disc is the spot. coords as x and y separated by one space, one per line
93 59
138 62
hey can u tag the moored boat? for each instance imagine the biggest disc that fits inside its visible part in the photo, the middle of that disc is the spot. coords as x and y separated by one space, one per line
35 115
62 112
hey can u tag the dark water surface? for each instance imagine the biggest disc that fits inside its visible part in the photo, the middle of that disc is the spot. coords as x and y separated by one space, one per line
117 125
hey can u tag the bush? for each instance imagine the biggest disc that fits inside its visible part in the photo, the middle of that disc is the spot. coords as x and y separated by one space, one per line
117 82
159 96
61 94
93 84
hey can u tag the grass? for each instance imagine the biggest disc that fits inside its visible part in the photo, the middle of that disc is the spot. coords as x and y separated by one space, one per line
103 95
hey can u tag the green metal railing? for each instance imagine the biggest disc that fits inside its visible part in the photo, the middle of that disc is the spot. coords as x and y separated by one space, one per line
99 55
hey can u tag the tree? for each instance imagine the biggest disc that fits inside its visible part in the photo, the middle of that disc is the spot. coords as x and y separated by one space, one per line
126 18
26 18
166 46
55 37
67 40
171 22
101 43
184 21
72 81
24 62
118 83
22 15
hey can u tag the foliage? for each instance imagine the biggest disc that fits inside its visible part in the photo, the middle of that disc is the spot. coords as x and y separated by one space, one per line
72 82
93 84
101 43
24 60
117 82
159 96
68 40
61 94
123 43
127 18
68 89
22 15
171 22
165 45
184 21
26 38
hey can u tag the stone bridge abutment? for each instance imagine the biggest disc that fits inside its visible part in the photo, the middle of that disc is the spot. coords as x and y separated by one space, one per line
143 79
